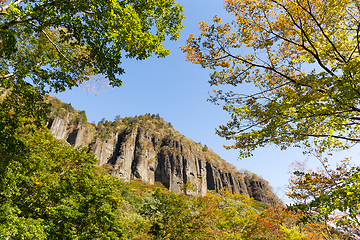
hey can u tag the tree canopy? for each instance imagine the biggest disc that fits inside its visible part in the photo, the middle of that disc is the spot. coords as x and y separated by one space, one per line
55 45
301 61
59 44
50 190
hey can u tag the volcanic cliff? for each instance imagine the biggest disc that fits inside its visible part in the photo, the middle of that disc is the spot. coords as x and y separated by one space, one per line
148 148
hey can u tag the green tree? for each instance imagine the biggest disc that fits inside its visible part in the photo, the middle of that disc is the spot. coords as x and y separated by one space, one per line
60 44
49 190
117 118
168 213
298 60
54 45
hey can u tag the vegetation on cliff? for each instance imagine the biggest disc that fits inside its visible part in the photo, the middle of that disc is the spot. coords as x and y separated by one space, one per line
153 133
153 123
157 213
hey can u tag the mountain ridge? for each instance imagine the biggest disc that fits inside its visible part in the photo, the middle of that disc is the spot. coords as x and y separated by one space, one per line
147 147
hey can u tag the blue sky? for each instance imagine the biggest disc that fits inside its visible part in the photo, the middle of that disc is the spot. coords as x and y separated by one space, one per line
177 90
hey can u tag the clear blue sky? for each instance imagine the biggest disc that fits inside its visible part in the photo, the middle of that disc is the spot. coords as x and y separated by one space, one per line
178 90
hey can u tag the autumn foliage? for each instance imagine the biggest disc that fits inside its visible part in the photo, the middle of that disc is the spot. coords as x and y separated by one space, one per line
328 195
285 71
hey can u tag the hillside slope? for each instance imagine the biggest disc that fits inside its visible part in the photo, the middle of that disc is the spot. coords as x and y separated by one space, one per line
148 148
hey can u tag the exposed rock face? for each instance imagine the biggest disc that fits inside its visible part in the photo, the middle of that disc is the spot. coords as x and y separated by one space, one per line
58 127
104 149
137 153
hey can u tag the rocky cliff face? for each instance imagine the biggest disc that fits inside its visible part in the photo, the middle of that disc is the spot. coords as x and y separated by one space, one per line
147 148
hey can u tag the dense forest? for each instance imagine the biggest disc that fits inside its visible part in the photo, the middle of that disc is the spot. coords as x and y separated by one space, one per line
301 59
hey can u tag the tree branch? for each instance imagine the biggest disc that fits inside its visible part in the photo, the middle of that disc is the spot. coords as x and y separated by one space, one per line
8 75
322 31
316 54
14 22
55 46
3 9
338 137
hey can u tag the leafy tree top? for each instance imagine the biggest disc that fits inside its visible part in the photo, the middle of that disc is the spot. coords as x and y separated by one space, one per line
59 44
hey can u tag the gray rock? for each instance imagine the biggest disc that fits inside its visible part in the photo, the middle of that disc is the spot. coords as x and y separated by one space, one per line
58 127
136 154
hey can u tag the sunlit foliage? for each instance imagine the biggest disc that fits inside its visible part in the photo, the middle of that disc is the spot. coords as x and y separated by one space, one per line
60 44
299 61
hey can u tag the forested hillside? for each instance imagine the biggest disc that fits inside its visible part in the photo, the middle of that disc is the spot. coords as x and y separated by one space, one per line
51 190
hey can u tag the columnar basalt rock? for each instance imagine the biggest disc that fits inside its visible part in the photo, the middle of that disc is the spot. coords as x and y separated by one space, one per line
125 156
137 153
58 127
104 149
